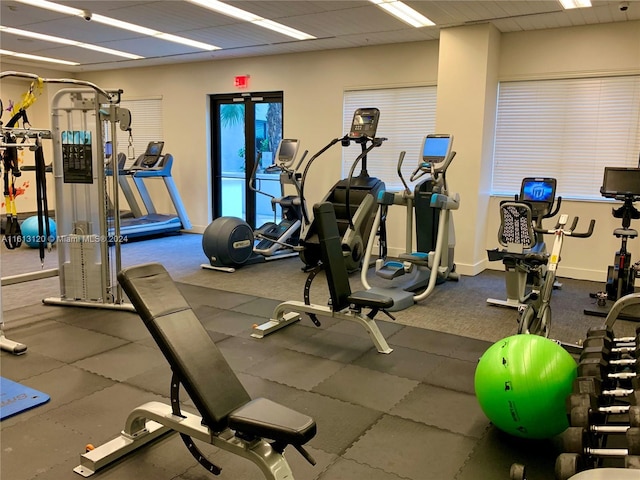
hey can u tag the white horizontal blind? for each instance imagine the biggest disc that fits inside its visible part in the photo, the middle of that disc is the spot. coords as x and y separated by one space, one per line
568 129
407 115
146 125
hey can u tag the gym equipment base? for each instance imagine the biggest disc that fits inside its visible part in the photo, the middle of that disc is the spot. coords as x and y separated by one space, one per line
280 319
152 420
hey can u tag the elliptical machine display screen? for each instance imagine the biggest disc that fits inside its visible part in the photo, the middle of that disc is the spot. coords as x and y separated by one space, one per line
538 190
620 182
364 123
436 148
287 151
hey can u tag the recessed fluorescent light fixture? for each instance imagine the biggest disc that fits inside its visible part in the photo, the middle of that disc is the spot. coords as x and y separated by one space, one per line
404 12
231 11
66 41
9 53
569 4
112 22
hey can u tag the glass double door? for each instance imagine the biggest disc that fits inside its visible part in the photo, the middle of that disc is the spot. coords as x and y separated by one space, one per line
247 129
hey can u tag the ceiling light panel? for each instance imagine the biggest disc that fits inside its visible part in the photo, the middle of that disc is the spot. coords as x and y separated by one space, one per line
38 58
404 12
569 4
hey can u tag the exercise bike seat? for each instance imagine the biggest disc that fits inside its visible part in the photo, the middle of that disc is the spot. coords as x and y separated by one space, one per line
625 232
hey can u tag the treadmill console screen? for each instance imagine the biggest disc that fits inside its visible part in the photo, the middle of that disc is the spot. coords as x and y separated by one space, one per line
364 123
618 182
152 154
436 148
287 151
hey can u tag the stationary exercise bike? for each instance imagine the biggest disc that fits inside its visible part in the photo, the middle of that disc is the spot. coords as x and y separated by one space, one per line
523 252
535 316
419 270
622 184
353 198
230 242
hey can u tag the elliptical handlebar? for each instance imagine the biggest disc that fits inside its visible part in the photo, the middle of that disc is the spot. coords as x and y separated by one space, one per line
407 190
428 167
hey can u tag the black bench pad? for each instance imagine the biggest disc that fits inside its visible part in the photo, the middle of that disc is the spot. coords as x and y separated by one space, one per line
263 418
369 299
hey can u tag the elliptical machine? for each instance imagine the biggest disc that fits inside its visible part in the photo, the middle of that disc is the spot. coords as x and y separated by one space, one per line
353 198
230 242
432 263
621 184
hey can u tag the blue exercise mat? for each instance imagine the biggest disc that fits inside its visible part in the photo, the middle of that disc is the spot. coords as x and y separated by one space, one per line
16 398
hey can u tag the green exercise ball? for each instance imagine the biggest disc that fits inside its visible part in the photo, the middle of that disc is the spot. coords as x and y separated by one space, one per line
522 382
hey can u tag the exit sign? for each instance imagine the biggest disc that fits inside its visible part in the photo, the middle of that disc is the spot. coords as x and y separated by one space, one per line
241 81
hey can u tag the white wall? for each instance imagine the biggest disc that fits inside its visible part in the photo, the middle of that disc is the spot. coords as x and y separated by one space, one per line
313 86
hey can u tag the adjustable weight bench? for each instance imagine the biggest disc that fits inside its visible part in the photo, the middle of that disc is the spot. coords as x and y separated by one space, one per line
345 304
257 429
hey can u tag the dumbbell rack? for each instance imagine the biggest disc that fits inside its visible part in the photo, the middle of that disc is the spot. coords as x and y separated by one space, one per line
604 408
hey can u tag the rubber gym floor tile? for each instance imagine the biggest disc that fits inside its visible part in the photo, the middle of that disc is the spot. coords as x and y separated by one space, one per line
50 441
403 362
230 322
340 424
350 470
238 468
197 295
101 415
19 367
334 346
412 450
156 380
352 328
120 324
259 307
122 362
446 409
296 369
243 353
68 343
470 349
496 452
369 388
290 336
63 385
430 341
453 374
259 387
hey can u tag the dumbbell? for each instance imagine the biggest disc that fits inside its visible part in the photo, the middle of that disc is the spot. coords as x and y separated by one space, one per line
569 464
600 368
577 440
592 386
586 418
607 333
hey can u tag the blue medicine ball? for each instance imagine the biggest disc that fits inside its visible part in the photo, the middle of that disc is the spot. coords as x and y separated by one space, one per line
30 235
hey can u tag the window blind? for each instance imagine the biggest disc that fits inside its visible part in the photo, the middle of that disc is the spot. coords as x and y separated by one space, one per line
407 115
146 125
569 129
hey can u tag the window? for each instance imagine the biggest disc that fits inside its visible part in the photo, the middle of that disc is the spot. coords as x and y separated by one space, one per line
407 115
146 126
568 129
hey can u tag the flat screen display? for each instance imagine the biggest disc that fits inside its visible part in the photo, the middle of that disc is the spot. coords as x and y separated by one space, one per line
154 148
287 151
621 181
538 190
436 148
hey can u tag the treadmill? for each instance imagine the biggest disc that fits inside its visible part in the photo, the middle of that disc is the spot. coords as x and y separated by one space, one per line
151 164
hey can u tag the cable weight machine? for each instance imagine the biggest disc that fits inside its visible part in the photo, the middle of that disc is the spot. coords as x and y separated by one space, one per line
88 242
